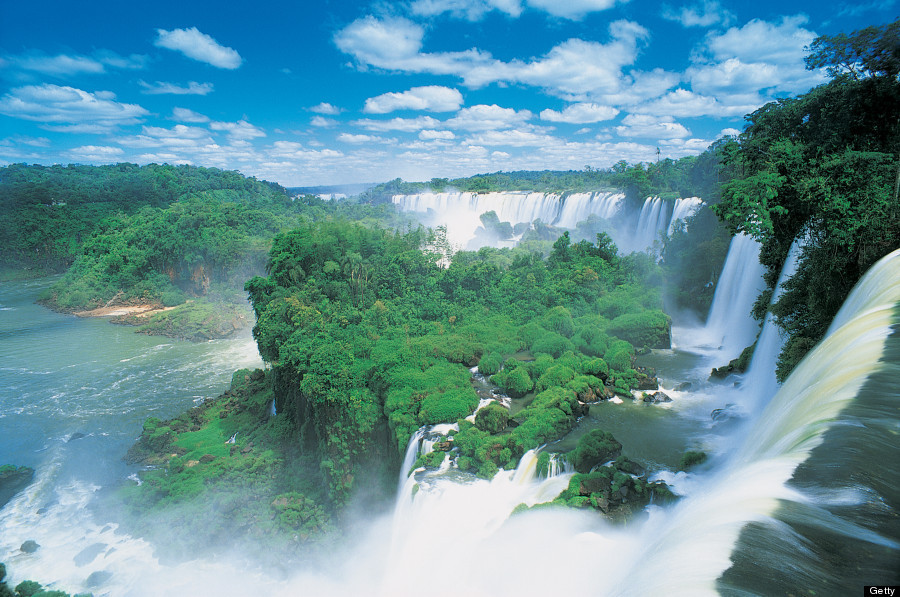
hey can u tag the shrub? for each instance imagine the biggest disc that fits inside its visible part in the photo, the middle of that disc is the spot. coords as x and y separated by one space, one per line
557 375
651 329
553 344
518 382
446 407
492 418
489 364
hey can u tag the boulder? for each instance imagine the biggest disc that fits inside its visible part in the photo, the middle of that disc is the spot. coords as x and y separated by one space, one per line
89 554
29 546
97 578
656 397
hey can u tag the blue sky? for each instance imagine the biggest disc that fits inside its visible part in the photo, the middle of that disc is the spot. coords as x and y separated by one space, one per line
329 92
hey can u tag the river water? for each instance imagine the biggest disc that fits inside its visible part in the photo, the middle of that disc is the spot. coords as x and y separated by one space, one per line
74 393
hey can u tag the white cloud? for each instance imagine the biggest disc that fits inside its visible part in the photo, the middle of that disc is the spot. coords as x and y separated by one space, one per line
161 87
69 106
644 125
431 98
322 122
758 58
238 131
198 46
64 65
574 69
433 135
95 153
513 138
572 9
177 138
483 117
325 108
362 139
700 14
472 10
729 132
186 115
61 65
399 124
582 113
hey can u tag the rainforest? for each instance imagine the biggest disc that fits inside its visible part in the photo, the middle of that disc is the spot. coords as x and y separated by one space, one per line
663 376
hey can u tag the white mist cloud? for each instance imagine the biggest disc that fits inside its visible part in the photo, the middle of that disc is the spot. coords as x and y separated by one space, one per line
95 153
472 10
161 87
430 98
399 124
198 46
433 135
573 9
322 122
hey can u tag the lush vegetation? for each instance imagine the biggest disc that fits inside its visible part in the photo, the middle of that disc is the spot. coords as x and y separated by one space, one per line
369 339
29 588
822 168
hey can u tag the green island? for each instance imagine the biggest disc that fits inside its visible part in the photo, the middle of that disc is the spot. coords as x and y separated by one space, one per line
370 326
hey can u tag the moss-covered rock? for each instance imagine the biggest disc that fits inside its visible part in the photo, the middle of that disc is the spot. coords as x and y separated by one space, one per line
593 448
493 418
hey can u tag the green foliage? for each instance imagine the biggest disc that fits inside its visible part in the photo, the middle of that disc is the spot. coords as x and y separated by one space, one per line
593 448
492 418
650 329
489 364
823 166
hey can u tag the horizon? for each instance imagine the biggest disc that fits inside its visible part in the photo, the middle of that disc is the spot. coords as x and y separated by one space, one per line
362 92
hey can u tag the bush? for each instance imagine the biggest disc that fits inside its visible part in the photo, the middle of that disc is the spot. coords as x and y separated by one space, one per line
553 344
447 407
489 364
651 329
559 320
557 375
493 418
518 382
619 356
692 458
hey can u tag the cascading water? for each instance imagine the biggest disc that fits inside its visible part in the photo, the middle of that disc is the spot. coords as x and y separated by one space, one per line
760 377
460 212
729 327
684 208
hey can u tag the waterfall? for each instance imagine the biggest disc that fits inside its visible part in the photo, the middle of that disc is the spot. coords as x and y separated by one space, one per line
460 212
729 326
684 208
760 378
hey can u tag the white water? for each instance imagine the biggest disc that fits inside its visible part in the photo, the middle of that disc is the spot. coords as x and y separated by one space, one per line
461 212
729 327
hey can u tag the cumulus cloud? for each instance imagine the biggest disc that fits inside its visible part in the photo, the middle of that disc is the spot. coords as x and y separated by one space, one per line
513 138
582 113
430 98
472 10
399 124
433 135
574 67
69 106
322 122
325 108
362 139
644 125
572 9
760 57
488 117
198 46
95 153
161 87
699 14
186 115
238 131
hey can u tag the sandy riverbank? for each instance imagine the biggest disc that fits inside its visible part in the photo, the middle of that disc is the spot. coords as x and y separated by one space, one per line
123 310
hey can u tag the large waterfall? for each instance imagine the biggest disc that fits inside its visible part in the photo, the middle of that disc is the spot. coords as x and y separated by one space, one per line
460 212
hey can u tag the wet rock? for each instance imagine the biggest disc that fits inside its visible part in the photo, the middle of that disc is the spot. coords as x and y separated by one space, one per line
207 458
89 554
684 386
30 546
97 578
13 479
74 436
724 414
657 397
